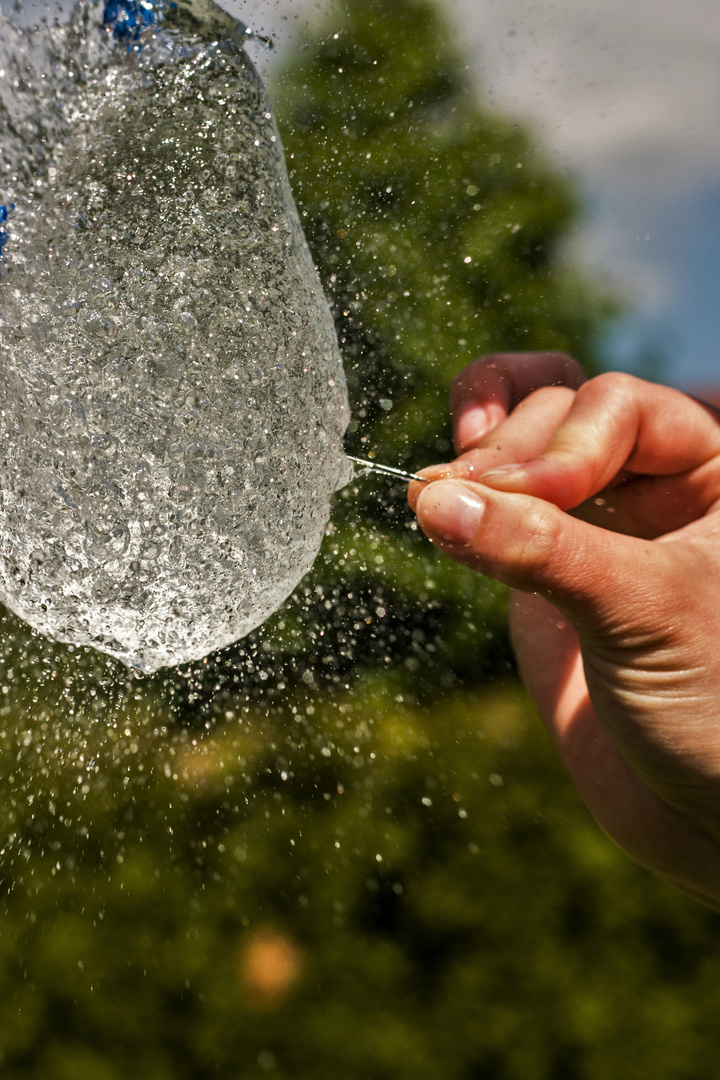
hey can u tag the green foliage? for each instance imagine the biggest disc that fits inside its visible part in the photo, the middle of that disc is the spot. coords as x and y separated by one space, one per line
359 887
435 224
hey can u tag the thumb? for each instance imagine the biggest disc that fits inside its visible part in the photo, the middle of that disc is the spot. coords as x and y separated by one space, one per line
597 578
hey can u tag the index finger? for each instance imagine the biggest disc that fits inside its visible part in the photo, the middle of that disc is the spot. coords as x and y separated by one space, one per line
618 423
486 391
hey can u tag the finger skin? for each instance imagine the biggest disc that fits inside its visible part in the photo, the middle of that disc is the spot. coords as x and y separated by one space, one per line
634 711
522 436
530 544
646 828
648 632
486 391
617 424
616 632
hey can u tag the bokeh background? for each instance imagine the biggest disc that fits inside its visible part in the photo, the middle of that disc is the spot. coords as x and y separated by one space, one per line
625 97
345 846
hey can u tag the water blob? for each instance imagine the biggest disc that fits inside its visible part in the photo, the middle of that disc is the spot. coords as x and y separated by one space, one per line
172 398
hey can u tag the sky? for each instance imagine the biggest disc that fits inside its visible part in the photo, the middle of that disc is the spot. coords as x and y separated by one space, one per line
626 95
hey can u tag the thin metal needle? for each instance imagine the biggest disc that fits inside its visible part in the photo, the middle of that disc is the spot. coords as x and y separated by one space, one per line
387 470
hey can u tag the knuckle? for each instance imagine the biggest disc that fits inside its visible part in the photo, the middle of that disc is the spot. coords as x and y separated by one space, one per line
615 383
546 395
612 400
534 549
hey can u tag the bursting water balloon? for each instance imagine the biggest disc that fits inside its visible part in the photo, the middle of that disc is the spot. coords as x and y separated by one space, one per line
172 399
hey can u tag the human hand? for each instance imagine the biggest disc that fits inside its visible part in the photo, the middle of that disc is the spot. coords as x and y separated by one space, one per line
609 528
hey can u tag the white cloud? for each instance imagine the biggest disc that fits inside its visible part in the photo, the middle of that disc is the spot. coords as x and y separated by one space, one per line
626 88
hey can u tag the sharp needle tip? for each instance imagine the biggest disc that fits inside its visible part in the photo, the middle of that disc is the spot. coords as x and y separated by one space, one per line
387 470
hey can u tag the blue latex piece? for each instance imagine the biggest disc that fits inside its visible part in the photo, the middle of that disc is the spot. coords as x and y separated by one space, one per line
4 212
128 18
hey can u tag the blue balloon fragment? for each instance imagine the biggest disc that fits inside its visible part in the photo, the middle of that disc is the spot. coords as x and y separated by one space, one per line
4 213
128 18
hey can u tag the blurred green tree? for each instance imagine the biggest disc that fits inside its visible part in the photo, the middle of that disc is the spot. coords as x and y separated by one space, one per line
347 886
435 223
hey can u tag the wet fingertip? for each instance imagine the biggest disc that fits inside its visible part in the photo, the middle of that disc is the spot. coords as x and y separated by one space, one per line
415 490
430 475
433 473
451 511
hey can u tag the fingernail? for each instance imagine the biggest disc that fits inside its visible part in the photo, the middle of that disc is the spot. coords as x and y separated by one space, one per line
472 425
432 473
449 509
